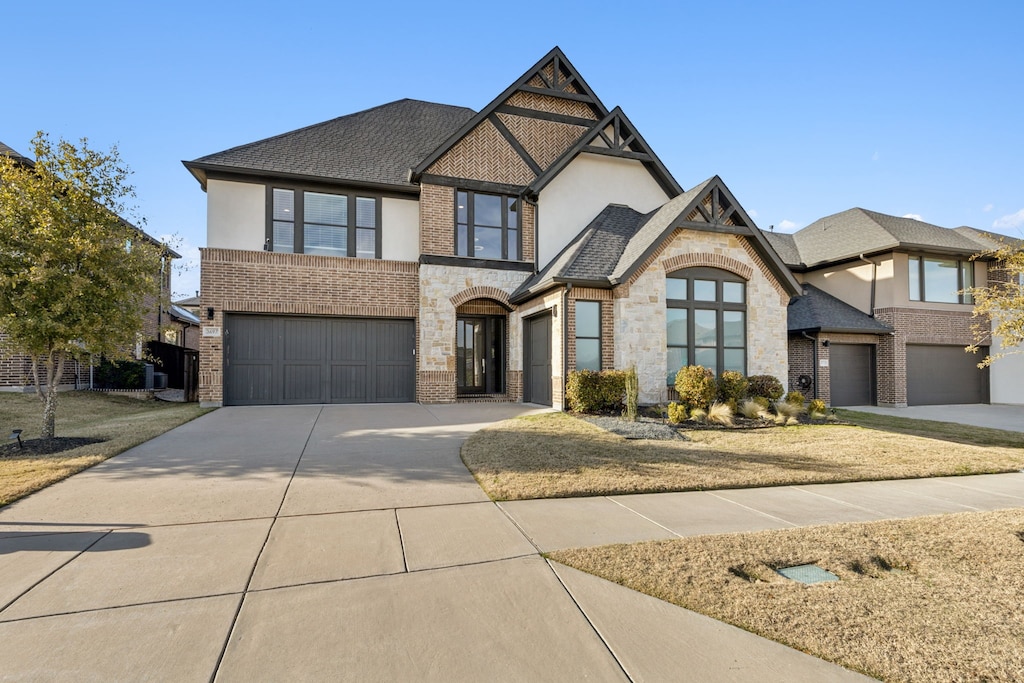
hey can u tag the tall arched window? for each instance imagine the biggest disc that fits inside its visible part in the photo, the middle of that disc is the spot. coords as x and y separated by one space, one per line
707 320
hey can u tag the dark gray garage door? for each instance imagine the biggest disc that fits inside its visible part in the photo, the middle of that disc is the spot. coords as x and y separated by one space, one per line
852 375
939 375
537 332
281 360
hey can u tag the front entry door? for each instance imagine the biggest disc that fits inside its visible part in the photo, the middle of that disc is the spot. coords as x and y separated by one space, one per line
480 354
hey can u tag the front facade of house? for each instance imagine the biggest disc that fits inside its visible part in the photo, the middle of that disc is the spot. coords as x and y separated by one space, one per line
886 321
423 252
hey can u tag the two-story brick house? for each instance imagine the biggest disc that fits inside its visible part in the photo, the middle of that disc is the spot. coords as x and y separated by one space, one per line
885 318
420 251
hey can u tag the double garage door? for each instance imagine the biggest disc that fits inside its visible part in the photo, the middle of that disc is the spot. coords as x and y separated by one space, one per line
291 360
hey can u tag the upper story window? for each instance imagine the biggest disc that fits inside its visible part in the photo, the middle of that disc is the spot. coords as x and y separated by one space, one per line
329 224
940 280
706 311
486 225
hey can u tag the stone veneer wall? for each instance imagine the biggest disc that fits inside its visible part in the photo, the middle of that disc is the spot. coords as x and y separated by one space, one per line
913 326
235 281
442 289
640 309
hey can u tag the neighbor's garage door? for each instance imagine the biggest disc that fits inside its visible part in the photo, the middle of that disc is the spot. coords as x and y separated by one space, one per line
945 374
852 376
280 360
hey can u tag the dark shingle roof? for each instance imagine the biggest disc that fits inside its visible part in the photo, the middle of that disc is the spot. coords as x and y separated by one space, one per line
819 311
859 231
14 154
593 254
784 245
376 146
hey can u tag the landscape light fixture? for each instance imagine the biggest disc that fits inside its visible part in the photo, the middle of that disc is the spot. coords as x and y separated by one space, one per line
16 434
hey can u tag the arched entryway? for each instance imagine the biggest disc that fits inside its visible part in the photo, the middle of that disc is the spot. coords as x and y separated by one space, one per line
481 348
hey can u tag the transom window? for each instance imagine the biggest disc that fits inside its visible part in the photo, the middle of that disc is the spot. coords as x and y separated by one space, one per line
329 224
706 310
486 225
588 335
940 280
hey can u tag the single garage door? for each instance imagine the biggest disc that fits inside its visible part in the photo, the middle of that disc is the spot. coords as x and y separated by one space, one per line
939 375
852 376
289 360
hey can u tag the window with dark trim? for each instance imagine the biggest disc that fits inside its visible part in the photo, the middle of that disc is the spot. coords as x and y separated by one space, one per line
588 335
940 280
326 223
487 226
706 311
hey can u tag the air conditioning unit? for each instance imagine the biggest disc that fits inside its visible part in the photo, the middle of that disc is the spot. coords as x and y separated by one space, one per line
159 381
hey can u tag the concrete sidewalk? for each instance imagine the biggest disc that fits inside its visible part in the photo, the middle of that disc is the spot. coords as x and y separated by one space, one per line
335 542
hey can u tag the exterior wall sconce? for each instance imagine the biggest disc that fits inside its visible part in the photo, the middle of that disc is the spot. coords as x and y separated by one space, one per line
209 312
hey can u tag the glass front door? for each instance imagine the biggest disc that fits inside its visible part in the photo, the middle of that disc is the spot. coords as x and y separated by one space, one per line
480 354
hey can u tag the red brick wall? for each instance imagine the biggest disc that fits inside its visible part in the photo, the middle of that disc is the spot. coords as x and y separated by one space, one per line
235 281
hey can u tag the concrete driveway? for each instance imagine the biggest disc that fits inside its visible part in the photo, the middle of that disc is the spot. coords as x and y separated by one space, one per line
997 416
326 542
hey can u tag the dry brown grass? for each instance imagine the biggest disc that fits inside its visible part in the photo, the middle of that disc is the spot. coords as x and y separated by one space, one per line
556 455
953 612
120 421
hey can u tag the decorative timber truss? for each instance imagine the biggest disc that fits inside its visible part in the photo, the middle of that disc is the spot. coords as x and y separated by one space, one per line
531 131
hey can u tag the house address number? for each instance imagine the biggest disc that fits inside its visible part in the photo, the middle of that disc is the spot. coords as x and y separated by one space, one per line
211 331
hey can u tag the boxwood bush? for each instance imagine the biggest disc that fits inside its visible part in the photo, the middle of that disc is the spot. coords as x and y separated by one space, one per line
596 392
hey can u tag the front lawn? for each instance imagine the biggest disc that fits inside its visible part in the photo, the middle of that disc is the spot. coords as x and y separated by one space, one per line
556 455
926 599
105 424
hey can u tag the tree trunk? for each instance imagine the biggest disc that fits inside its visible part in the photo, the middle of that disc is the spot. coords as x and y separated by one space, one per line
54 371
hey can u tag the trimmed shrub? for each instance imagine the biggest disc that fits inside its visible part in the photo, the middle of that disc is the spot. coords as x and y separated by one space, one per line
764 385
696 386
676 413
732 387
632 389
125 374
720 413
795 397
595 392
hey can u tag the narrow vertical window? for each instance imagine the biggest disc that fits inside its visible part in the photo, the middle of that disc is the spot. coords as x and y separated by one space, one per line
914 272
284 220
366 227
588 335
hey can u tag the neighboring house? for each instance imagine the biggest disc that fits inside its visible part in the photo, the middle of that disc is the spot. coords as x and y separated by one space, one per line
181 328
883 320
190 304
16 369
420 251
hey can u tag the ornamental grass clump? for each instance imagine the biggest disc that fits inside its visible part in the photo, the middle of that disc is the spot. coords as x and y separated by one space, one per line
784 409
720 413
753 410
699 415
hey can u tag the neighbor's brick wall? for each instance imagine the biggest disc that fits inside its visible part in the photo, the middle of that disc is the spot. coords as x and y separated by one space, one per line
913 326
16 371
236 281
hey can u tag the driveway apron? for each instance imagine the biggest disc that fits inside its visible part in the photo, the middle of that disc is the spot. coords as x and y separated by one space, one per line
327 542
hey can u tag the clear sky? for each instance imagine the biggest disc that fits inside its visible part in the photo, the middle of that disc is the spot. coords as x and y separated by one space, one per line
803 108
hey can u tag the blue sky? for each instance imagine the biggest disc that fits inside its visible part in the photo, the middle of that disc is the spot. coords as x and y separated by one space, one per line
803 108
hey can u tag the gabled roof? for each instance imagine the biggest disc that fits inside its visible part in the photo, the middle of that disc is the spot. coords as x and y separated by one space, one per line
372 147
614 135
183 315
857 231
619 240
553 76
819 311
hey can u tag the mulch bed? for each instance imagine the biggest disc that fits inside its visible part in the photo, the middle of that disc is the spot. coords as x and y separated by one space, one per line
660 429
32 447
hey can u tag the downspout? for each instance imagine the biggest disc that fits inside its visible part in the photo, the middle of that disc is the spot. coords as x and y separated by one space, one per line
874 277
814 357
565 343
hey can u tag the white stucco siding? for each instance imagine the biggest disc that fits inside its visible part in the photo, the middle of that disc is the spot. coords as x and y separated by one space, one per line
236 215
583 188
400 221
640 334
1005 375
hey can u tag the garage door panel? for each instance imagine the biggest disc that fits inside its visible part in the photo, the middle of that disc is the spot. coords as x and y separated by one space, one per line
349 384
943 375
279 359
